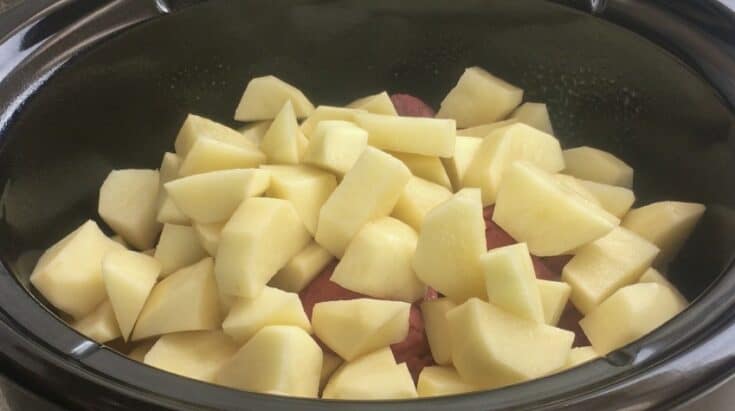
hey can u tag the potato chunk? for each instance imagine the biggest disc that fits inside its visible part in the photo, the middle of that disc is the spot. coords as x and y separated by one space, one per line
535 115
302 268
265 96
377 262
628 315
479 98
429 168
178 247
279 359
100 325
369 190
417 135
614 199
437 381
259 239
186 300
69 273
129 205
419 197
352 328
554 298
374 376
596 165
196 128
434 313
194 354
208 155
322 113
376 103
464 151
336 146
283 143
581 355
535 208
209 235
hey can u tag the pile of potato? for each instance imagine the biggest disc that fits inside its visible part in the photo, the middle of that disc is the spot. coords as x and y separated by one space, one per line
211 250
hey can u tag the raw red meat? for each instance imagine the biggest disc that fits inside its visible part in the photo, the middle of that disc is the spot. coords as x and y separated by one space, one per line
408 105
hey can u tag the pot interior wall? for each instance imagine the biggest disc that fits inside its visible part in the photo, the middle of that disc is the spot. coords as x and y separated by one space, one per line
119 104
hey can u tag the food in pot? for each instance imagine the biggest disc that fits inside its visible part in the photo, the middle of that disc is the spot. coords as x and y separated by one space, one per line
373 251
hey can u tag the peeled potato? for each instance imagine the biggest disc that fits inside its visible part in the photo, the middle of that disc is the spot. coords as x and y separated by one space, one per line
376 103
479 98
417 135
178 247
464 151
209 235
208 155
653 276
265 96
336 147
419 197
484 130
196 127
254 132
328 113
614 199
554 297
581 355
330 363
429 168
100 325
129 204
302 268
436 381
434 313
281 142
69 273
596 165
535 115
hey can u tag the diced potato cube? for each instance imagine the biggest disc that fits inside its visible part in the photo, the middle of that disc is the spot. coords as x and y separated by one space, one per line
451 241
417 135
337 148
614 199
129 278
281 142
254 132
302 268
492 348
436 381
167 210
327 113
212 155
264 97
376 103
628 315
100 325
259 239
377 262
304 187
169 213
510 281
464 151
602 267
374 376
427 167
330 363
502 148
186 300
596 165
209 235
352 328
279 359
194 354
575 185
213 197
581 355
271 307
369 190
69 273
479 98
484 130
169 170
419 197
554 298
535 115
177 248
667 224
129 204
434 313
535 208
653 276
196 127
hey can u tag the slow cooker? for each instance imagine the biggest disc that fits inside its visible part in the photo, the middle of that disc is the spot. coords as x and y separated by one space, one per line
91 85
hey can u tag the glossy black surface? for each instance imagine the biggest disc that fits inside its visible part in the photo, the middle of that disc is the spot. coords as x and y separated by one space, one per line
74 107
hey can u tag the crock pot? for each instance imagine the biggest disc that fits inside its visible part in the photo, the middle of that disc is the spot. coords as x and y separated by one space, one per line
91 85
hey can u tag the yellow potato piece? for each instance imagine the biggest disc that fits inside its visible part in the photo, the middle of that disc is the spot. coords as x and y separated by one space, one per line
259 239
369 190
213 197
281 142
600 268
322 113
196 127
271 307
510 281
464 151
628 315
479 98
352 328
169 213
194 354
429 168
69 273
254 132
129 278
209 235
374 376
279 359
653 276
211 155
450 243
535 115
614 199
178 247
667 224
436 381
536 209
265 96
419 197
336 146
596 165
484 130
492 348
330 363
302 268
377 262
186 300
581 355
434 313
376 103
129 203
554 298
502 148
100 325
417 135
